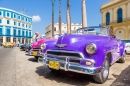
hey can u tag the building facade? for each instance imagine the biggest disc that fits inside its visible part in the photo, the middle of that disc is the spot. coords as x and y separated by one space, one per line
63 29
116 13
15 26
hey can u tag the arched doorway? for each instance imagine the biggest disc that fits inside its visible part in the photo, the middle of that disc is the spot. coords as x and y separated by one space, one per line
120 33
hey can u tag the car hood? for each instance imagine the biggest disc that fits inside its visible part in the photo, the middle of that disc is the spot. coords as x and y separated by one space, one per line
75 41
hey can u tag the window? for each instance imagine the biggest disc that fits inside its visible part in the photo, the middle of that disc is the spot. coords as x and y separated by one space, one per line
0 31
22 25
8 22
26 26
0 13
18 32
26 33
54 28
22 18
14 15
0 21
26 19
18 17
14 32
23 33
8 15
119 15
29 26
108 18
18 24
14 23
30 34
8 31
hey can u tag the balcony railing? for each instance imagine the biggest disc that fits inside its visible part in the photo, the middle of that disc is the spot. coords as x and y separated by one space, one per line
120 20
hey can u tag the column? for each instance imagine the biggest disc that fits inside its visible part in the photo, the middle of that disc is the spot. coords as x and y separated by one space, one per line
11 39
4 39
126 33
24 40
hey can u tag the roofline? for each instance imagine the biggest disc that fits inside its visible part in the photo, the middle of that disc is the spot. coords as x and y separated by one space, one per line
15 11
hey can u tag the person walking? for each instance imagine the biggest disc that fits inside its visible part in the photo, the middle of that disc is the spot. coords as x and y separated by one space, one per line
38 37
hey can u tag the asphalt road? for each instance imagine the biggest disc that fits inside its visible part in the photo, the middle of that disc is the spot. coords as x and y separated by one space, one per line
19 69
7 67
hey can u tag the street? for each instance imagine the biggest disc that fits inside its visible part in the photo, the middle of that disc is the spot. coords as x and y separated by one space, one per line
19 69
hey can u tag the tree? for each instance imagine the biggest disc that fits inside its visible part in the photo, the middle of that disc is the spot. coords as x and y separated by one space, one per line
84 15
59 16
68 17
52 17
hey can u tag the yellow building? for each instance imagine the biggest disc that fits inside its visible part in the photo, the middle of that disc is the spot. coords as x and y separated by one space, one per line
116 13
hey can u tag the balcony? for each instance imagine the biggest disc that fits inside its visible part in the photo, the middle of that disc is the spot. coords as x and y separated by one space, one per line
120 20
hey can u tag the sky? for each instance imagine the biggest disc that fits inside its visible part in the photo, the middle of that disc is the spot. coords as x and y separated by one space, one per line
40 11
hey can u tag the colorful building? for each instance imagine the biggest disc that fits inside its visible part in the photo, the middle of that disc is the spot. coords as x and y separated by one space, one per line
15 26
48 33
116 13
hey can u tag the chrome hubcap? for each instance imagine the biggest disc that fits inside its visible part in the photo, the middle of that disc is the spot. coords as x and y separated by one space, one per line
105 69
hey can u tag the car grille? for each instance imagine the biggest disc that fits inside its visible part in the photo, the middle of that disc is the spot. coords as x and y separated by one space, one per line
36 49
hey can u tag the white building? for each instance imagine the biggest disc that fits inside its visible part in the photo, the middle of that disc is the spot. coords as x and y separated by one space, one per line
74 27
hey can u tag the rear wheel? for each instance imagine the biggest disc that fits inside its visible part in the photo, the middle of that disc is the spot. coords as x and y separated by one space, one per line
102 76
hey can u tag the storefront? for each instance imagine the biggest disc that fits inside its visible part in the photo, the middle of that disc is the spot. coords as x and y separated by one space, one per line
1 39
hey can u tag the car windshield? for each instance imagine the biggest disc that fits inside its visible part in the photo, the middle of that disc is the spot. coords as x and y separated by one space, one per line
93 31
126 41
57 36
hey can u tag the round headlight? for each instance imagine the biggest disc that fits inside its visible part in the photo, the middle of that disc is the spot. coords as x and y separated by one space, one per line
43 46
91 48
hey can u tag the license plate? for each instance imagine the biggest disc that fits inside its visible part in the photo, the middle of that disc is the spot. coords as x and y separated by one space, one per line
35 53
54 65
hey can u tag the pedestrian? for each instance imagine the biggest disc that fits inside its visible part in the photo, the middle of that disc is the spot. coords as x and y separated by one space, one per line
38 37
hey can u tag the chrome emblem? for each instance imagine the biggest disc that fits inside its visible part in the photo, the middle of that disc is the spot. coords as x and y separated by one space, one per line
61 45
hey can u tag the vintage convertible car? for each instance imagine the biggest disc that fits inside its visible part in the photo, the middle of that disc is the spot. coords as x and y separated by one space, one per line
91 50
127 46
8 44
36 49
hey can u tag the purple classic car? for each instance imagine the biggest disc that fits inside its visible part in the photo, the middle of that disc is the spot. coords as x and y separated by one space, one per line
91 50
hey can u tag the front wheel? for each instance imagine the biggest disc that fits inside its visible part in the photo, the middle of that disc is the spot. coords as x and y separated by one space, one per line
122 59
102 76
36 57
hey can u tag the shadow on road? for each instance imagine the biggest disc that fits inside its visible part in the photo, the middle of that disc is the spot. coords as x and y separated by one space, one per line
65 77
32 59
123 79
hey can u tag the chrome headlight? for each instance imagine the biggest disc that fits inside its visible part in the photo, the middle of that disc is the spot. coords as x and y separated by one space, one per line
43 46
91 48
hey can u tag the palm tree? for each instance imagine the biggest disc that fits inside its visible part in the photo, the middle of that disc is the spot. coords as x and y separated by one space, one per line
84 15
59 16
52 17
68 17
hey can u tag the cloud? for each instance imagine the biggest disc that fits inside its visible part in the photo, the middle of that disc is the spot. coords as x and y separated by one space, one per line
36 18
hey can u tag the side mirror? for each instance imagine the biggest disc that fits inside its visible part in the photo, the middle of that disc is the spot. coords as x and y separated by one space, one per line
113 36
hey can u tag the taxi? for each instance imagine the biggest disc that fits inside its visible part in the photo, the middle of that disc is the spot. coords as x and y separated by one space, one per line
8 45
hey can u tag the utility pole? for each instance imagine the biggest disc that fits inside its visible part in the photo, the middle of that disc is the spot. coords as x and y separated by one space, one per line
60 17
52 17
68 17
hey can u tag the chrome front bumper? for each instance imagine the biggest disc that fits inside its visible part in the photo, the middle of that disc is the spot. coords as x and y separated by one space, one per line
67 66
31 53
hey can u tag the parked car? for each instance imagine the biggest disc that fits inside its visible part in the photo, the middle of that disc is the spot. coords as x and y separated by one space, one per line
1 44
127 46
28 47
91 50
36 47
23 47
8 45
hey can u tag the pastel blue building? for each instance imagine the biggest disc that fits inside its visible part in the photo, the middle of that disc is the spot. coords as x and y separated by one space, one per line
15 26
